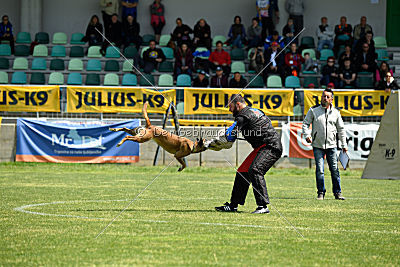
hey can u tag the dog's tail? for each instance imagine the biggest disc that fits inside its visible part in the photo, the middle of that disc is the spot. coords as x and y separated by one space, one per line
146 117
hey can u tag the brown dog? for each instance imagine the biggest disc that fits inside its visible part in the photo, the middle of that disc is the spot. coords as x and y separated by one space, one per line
179 146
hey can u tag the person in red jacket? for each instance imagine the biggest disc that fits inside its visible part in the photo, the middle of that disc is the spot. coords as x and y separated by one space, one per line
293 61
219 57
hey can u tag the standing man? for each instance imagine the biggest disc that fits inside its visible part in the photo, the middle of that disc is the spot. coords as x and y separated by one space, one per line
257 129
326 124
265 9
129 7
108 9
295 8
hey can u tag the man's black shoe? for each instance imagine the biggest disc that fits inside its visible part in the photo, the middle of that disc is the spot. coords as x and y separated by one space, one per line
321 196
227 208
339 196
261 210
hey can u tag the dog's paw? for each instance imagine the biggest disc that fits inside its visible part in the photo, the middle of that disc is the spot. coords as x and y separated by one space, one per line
119 144
180 169
113 129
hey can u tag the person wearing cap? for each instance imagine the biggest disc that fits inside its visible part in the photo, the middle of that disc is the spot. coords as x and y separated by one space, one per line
219 57
275 37
201 80
237 81
219 80
277 61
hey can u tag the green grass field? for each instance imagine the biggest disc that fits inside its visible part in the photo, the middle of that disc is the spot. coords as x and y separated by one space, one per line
174 223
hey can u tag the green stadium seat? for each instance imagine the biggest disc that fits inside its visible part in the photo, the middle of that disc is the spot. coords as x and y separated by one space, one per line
38 78
180 108
166 66
76 38
147 38
365 80
111 65
256 83
310 51
380 42
168 52
56 78
292 82
18 77
165 80
57 64
297 111
39 64
183 80
307 42
310 80
218 38
40 51
127 66
42 37
20 63
23 38
92 79
274 81
164 39
94 51
238 66
3 77
325 54
112 52
130 51
143 50
76 51
74 78
58 51
382 55
237 54
21 51
147 80
93 65
111 79
4 63
5 50
59 38
129 79
75 64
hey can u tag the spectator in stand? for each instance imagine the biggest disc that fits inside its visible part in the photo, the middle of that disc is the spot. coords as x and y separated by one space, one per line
360 30
330 73
257 60
182 33
293 61
342 34
152 57
113 34
237 81
237 33
183 61
6 32
265 11
92 35
347 53
108 9
325 34
295 9
219 80
157 18
202 34
368 38
201 80
309 63
380 74
275 37
389 83
129 7
347 75
288 32
365 60
254 34
131 32
220 58
276 62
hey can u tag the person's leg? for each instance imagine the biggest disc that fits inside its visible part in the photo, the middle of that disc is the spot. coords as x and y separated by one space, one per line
264 28
331 157
319 169
148 67
321 44
11 39
240 188
270 25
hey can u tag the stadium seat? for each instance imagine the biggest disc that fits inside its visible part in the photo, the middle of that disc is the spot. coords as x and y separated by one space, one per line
310 80
94 51
256 83
130 51
5 50
39 64
180 108
307 42
21 51
111 65
237 54
310 51
297 111
380 42
325 54
42 37
23 38
168 52
20 63
57 64
382 55
76 51
92 79
59 38
166 66
40 51
58 51
238 66
129 79
166 80
147 80
112 52
93 65
74 78
3 77
75 64
164 39
76 38
218 38
56 78
183 80
18 77
292 82
147 38
111 79
38 78
4 63
127 66
274 81
365 80
143 49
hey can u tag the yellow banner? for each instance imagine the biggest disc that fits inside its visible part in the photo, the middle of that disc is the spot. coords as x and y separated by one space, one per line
30 98
214 101
211 123
351 103
113 100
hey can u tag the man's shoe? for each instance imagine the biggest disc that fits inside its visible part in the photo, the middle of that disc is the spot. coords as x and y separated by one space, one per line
339 196
227 207
320 196
261 210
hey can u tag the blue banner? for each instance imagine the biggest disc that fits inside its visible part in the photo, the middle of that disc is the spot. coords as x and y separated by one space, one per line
88 142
